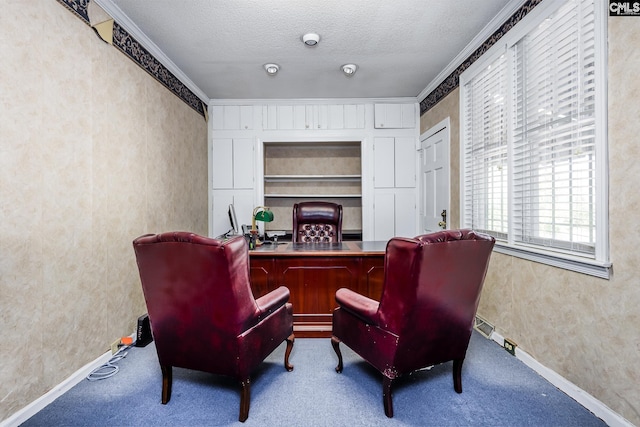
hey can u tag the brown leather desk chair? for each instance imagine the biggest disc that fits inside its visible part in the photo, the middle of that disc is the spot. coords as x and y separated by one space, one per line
203 314
317 222
425 316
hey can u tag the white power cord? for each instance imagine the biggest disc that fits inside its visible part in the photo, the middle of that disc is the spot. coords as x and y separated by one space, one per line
108 369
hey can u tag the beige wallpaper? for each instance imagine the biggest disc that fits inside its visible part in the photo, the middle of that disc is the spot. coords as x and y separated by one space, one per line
93 153
584 328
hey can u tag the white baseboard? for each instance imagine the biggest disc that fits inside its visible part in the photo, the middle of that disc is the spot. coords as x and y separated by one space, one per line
599 409
37 405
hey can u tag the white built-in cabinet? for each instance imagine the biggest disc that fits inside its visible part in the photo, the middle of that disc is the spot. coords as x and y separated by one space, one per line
395 116
313 117
231 117
233 163
380 192
394 187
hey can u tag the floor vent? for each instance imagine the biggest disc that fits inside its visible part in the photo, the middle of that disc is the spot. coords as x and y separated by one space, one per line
485 328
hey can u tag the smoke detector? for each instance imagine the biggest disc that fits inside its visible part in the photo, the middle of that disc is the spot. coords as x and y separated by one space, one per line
311 39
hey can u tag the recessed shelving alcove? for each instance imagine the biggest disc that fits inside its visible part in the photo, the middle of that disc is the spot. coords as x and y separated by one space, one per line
301 171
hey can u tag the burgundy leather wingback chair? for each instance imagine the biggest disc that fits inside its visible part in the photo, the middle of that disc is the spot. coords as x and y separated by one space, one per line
317 222
426 313
202 312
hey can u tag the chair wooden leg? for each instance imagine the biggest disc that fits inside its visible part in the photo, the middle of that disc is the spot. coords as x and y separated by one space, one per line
335 342
245 400
386 396
457 375
167 381
290 340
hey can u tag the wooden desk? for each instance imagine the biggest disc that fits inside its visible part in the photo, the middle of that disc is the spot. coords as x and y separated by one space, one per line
313 273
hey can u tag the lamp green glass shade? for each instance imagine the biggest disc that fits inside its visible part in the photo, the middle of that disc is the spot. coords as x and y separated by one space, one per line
264 216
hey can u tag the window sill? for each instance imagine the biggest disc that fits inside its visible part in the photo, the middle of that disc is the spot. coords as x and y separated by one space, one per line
584 266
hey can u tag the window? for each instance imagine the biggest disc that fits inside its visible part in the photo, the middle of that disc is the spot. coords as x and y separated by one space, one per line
534 148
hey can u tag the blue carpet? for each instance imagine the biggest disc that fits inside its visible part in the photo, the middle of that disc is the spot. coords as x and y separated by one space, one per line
498 390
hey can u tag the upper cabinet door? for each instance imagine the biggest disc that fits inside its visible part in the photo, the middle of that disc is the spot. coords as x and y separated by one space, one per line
354 116
231 117
394 116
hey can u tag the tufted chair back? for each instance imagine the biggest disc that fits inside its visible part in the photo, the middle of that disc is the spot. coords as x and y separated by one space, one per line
425 316
203 313
317 222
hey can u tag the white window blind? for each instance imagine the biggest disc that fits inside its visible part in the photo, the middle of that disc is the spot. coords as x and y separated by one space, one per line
554 132
486 151
533 149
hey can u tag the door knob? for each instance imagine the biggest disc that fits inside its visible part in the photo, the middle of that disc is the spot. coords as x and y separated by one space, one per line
443 224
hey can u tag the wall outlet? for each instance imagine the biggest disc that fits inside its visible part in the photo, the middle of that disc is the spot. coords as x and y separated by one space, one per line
510 346
115 346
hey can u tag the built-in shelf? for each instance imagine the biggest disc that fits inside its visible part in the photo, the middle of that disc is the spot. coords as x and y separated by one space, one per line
302 178
303 171
313 196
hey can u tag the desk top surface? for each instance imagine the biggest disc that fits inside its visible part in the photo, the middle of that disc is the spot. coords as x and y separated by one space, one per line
350 248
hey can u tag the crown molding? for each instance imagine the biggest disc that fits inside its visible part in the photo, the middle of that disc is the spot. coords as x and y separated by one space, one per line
474 44
313 101
125 22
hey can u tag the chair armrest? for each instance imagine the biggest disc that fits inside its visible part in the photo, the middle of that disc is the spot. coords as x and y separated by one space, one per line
360 306
272 301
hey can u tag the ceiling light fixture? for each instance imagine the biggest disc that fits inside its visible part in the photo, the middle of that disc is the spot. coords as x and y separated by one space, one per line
311 39
272 69
349 69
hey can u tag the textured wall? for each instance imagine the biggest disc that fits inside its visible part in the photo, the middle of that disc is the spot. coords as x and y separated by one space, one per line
93 153
584 328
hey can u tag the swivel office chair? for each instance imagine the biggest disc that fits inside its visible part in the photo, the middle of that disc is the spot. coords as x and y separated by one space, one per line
317 222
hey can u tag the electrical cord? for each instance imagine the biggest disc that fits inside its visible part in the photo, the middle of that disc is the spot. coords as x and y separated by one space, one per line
108 369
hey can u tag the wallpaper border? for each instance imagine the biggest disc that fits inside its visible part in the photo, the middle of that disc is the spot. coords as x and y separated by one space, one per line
128 45
453 80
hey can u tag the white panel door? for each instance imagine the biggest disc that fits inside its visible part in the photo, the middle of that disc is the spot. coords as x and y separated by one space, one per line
434 182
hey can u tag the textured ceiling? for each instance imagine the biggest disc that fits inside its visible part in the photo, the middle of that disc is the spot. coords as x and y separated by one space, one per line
221 45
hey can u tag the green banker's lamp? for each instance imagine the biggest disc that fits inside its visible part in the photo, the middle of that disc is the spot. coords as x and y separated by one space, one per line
260 213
